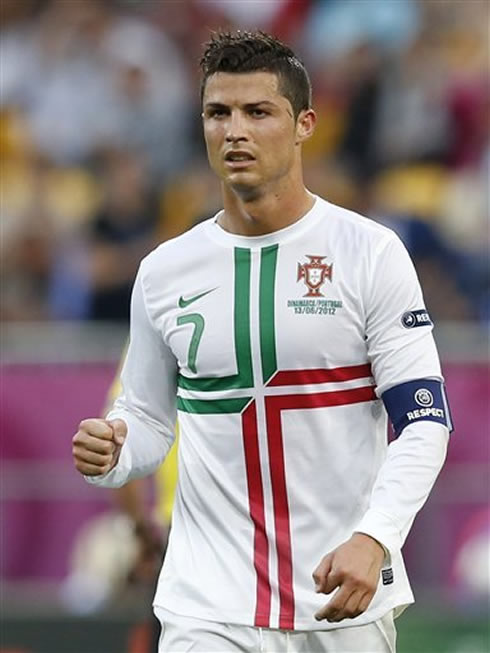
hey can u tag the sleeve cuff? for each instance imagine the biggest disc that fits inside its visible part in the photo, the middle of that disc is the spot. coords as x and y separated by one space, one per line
118 476
383 529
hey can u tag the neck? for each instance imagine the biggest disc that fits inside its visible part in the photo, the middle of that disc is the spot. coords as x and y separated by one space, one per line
260 212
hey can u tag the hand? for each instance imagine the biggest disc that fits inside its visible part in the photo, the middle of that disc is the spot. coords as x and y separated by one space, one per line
97 445
354 567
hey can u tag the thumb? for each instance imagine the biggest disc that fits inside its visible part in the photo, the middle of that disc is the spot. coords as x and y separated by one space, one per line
119 430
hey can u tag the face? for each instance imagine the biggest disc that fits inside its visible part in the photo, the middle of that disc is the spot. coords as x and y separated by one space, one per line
251 135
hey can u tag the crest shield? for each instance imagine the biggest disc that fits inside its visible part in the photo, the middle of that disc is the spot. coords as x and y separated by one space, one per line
314 274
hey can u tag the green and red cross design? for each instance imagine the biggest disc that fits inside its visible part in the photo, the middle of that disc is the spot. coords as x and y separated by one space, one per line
274 405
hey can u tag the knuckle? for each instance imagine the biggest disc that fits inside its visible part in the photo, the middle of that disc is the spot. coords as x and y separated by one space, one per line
78 450
366 585
83 469
354 580
78 455
77 437
109 447
93 426
370 587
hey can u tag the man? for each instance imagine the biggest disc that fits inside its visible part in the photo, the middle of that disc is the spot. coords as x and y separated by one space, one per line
282 325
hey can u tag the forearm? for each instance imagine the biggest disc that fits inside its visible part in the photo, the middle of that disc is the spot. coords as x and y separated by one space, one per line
404 482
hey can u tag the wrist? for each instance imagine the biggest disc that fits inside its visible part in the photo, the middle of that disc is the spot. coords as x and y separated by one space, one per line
373 543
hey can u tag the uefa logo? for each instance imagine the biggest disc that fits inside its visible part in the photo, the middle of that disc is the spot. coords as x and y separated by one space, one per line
409 320
424 398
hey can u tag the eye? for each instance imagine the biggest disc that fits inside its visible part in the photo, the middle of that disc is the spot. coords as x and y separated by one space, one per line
258 113
216 113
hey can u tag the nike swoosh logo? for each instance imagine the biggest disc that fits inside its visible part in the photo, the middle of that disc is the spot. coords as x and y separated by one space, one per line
183 303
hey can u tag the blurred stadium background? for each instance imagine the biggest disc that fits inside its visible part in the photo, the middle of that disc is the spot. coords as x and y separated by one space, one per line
102 157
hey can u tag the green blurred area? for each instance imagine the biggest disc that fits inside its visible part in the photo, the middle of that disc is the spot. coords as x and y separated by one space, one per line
418 632
442 633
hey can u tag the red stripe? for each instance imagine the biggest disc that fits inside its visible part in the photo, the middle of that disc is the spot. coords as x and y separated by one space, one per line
322 399
335 374
281 516
273 407
257 514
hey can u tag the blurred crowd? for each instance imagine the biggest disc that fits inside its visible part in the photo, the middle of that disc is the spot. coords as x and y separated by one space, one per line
102 156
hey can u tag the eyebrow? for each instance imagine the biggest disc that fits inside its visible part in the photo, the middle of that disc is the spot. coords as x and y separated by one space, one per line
249 106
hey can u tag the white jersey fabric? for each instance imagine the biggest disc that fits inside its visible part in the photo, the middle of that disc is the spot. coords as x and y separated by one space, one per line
278 349
184 634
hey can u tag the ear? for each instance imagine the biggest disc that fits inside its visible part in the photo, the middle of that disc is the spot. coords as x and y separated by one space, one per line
305 125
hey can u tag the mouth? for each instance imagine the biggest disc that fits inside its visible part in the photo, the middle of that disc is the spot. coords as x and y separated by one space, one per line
238 159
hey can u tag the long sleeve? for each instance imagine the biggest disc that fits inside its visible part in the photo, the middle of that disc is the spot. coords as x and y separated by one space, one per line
147 401
404 482
401 349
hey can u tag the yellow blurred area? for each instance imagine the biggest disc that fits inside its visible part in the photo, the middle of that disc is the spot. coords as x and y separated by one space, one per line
412 189
328 132
15 142
68 194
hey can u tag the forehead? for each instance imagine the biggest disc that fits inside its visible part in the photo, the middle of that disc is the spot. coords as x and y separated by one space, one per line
243 88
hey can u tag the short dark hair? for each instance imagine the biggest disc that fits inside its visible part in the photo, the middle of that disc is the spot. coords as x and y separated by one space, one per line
246 52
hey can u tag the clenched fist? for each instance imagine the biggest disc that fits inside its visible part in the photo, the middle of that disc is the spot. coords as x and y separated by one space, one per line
97 445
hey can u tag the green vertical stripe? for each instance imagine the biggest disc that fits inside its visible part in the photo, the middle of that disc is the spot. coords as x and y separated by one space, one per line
268 262
241 318
212 406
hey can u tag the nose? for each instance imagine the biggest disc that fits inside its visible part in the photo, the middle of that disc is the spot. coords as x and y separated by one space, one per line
235 128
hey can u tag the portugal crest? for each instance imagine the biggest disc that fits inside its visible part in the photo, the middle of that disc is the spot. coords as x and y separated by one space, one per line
314 274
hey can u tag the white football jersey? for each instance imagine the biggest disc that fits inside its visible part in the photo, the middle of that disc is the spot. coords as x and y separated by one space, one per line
275 351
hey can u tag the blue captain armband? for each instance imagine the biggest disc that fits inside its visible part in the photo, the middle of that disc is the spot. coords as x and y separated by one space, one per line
416 401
